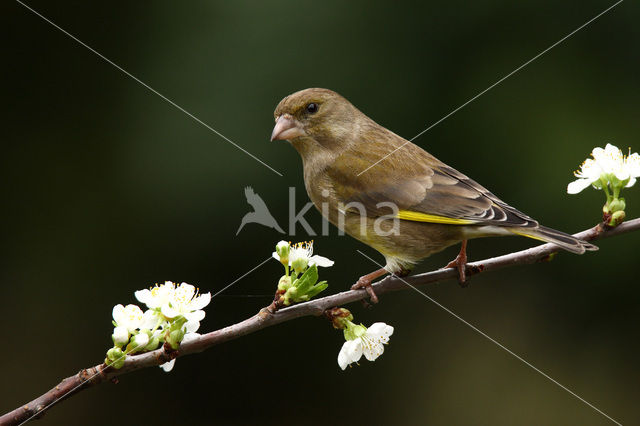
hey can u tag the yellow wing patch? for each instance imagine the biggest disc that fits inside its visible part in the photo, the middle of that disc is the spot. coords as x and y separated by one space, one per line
432 218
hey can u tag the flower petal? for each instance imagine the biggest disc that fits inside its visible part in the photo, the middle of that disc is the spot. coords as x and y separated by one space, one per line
185 290
169 312
192 327
622 173
373 351
597 153
380 332
195 315
343 361
141 339
118 314
611 149
298 253
190 336
200 301
321 261
578 185
633 165
351 352
129 316
590 169
120 336
632 181
168 366
607 158
150 319
143 296
377 328
354 350
157 295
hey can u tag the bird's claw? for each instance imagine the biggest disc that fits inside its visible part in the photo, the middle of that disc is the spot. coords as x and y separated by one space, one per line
366 284
460 263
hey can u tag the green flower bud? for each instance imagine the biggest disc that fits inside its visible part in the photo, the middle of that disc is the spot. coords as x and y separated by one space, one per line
300 264
173 338
115 357
284 283
617 218
291 295
137 343
153 344
114 353
283 249
616 205
339 317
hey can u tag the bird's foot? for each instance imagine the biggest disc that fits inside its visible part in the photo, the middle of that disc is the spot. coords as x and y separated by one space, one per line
365 283
460 263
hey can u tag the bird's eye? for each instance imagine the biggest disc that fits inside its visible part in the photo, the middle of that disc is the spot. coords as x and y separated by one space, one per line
312 108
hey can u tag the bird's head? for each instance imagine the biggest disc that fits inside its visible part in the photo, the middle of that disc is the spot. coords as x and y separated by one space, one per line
315 116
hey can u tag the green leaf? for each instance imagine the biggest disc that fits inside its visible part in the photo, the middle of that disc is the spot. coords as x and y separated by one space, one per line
307 280
321 286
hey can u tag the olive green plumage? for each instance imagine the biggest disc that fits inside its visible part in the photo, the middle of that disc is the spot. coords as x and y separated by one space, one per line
438 205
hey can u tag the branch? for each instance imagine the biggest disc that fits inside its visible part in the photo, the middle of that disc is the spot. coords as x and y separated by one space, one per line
101 373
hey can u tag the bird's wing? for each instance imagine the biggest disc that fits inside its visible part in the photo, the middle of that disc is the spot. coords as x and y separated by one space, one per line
423 188
248 192
254 200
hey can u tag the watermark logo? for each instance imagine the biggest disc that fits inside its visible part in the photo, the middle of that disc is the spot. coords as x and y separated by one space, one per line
260 213
352 216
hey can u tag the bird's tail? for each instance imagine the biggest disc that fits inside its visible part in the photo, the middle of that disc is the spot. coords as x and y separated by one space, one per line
566 241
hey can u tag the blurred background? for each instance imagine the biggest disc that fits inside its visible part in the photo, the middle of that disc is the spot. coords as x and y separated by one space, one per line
109 189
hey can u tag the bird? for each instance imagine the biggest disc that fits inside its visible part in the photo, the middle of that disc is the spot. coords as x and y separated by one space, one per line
370 182
260 213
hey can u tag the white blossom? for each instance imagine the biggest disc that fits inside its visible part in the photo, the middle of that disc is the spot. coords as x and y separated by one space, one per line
129 317
120 336
588 174
186 301
304 251
171 308
607 166
370 344
156 296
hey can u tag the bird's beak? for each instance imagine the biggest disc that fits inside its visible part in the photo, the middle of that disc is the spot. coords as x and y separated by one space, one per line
286 128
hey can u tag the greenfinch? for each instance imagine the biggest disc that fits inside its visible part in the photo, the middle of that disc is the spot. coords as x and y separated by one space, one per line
388 192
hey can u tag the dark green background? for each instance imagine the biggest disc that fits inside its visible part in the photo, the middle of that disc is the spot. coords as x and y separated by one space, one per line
109 189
